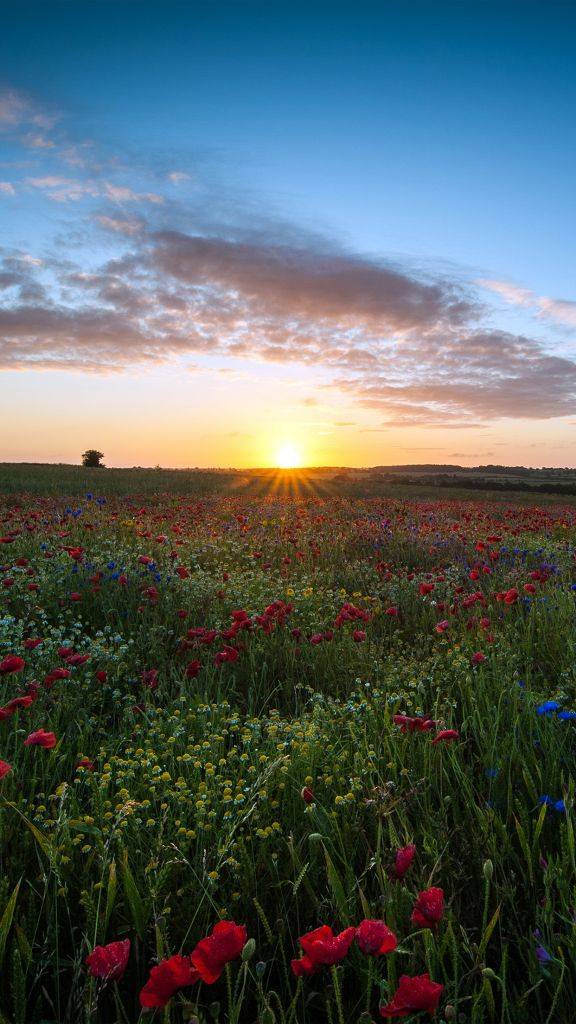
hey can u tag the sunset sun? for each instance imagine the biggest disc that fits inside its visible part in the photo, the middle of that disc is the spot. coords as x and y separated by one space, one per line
288 456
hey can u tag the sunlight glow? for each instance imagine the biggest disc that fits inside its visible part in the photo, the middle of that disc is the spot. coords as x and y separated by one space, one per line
288 457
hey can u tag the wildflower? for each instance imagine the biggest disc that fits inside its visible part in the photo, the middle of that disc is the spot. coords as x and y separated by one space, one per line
322 948
403 860
10 664
149 678
359 635
420 723
542 954
375 938
478 657
307 795
429 908
414 994
41 738
446 736
224 944
5 768
166 979
192 669
109 962
548 708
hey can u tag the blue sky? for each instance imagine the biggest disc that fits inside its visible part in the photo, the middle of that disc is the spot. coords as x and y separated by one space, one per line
374 149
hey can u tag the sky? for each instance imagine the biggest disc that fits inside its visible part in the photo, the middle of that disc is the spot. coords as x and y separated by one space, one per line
239 233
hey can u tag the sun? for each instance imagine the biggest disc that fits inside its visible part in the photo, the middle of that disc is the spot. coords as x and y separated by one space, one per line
288 456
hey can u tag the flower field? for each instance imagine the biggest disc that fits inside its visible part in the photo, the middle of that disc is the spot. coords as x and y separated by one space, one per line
286 760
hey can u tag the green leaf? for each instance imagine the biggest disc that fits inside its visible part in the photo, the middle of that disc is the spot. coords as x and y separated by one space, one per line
133 897
6 921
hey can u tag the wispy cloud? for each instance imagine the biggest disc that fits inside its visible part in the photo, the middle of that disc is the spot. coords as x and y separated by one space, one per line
561 310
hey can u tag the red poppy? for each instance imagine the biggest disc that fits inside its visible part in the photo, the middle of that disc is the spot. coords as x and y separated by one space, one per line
392 612
86 763
413 995
55 675
307 795
150 678
109 962
18 702
359 635
77 659
192 669
441 627
403 860
417 724
166 979
375 938
446 735
303 967
429 908
4 768
11 663
478 657
225 943
41 738
321 947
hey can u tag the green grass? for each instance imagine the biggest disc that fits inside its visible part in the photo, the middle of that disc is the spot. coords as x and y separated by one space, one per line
194 812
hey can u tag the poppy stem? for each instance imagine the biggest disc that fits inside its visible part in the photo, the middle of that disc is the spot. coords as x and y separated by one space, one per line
337 993
369 985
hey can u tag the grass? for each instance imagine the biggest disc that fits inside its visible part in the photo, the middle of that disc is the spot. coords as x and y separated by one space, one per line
191 810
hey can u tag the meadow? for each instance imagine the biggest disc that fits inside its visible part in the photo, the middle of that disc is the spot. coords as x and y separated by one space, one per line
280 755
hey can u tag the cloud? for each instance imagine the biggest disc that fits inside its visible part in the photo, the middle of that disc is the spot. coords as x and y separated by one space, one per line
120 225
7 189
410 348
562 311
177 177
63 190
18 110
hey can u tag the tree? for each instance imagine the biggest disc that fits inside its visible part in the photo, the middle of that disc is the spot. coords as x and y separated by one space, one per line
93 459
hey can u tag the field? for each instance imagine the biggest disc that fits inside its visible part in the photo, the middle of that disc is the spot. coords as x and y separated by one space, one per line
268 702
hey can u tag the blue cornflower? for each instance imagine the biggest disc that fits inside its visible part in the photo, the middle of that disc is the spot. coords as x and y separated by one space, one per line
111 565
491 773
558 805
548 708
567 716
542 954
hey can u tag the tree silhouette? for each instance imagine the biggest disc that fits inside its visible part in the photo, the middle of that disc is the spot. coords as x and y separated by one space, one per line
93 459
